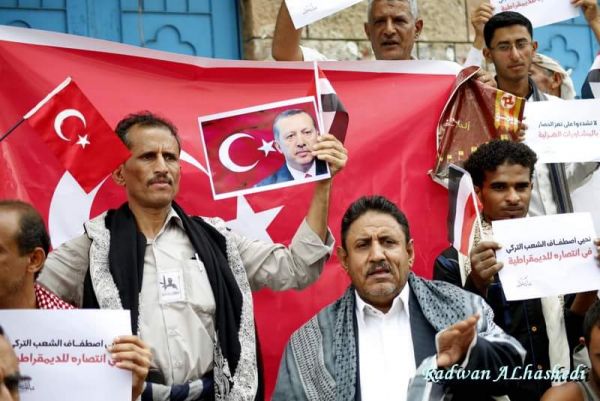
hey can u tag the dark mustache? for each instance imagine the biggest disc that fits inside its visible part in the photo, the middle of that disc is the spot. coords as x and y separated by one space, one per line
377 267
160 179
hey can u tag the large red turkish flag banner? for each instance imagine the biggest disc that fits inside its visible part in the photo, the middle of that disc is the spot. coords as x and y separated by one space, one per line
394 108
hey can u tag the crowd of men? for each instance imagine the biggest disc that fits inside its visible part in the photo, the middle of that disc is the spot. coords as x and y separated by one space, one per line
392 335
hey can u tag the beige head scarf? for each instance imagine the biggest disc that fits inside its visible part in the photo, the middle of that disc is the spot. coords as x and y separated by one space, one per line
567 89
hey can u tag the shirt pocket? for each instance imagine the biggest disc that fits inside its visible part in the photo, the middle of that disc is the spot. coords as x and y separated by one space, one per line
198 292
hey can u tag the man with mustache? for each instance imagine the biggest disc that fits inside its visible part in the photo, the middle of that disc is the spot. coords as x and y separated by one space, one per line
391 332
502 174
200 326
295 133
392 27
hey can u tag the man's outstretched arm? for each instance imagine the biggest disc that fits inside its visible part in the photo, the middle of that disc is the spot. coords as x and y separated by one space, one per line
286 38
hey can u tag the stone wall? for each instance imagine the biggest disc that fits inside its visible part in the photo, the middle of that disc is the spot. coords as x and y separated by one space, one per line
447 32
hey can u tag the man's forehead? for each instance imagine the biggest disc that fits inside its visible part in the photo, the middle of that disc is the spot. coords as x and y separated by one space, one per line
9 222
507 172
303 118
386 7
373 222
141 137
511 33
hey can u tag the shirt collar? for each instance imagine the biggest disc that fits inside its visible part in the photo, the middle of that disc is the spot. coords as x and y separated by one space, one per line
172 218
300 175
399 305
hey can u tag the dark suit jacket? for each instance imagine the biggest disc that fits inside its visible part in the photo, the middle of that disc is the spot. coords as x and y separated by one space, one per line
284 175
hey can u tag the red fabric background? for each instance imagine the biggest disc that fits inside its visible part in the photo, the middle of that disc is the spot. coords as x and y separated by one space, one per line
391 143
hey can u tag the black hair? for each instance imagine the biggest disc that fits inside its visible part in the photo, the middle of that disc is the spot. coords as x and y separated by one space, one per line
591 320
144 119
503 20
495 153
376 203
32 230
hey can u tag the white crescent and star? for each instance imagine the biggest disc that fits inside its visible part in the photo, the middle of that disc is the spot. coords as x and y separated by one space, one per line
83 140
267 147
225 156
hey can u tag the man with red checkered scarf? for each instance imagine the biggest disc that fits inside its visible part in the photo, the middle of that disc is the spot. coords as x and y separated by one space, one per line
24 244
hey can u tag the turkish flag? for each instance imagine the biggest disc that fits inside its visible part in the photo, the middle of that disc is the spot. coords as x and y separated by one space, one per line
391 140
77 134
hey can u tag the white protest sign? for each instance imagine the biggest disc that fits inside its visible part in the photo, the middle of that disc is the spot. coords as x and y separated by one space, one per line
64 353
539 12
304 12
547 255
564 131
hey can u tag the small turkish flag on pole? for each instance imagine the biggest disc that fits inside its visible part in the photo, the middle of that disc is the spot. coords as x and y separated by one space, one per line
77 134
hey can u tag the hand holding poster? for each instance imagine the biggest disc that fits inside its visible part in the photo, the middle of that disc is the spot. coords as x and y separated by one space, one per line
539 12
304 12
547 255
64 353
564 131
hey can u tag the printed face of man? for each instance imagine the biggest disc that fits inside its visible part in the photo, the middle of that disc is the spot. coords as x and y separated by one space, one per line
506 192
377 258
13 265
511 51
392 29
9 369
297 135
151 175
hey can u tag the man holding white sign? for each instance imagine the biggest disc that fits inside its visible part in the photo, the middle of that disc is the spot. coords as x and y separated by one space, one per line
24 244
392 27
510 46
502 174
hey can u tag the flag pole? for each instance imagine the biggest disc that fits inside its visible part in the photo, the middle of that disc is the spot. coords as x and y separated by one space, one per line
14 127
478 216
318 92
37 107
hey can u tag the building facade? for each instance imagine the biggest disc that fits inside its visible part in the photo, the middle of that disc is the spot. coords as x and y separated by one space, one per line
243 29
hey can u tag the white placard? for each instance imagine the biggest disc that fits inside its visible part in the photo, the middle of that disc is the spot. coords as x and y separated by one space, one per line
64 353
539 12
547 255
564 131
304 12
